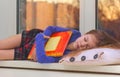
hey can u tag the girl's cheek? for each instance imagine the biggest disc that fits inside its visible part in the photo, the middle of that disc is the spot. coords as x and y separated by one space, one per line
76 45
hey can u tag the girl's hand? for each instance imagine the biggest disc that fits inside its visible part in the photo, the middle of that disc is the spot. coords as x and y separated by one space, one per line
71 46
46 37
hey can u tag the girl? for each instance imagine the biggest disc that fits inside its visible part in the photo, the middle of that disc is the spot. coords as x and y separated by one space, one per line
18 47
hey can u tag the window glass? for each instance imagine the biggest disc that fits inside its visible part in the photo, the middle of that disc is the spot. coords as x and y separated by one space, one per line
108 16
43 13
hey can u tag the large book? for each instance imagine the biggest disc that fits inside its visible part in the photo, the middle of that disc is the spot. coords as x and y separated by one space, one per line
56 44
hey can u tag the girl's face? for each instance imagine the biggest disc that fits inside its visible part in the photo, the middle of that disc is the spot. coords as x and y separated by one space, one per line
85 41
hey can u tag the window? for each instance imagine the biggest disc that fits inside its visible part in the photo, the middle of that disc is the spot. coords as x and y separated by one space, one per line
108 16
42 13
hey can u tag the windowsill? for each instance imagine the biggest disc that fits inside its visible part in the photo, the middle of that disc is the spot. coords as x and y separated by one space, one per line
113 69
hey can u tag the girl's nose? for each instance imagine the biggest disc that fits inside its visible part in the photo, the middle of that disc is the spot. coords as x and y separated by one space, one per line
83 44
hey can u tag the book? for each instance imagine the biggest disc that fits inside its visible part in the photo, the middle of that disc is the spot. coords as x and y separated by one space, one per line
56 44
31 52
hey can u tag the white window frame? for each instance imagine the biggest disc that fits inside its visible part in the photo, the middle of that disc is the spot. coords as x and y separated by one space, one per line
87 15
7 18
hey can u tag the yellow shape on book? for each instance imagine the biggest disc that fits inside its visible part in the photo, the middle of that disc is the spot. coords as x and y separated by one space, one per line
52 43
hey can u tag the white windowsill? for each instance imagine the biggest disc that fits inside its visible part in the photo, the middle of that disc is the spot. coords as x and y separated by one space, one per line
113 69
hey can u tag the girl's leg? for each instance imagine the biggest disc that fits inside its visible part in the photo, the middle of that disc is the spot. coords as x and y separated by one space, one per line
7 54
11 42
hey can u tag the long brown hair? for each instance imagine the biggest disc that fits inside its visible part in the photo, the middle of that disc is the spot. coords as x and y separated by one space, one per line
103 37
104 41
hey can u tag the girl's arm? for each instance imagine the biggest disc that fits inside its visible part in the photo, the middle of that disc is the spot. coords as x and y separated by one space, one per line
51 29
40 43
40 51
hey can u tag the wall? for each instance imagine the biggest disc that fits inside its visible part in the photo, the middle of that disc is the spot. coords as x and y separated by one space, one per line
7 18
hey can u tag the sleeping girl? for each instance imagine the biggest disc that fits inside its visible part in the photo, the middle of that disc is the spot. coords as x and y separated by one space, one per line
18 46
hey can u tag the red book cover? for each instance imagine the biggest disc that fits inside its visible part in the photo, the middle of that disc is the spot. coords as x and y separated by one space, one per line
56 44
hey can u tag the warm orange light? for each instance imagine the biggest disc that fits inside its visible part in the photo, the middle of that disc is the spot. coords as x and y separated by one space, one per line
109 9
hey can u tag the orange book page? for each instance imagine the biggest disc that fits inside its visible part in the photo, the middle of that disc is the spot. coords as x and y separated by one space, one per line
31 52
